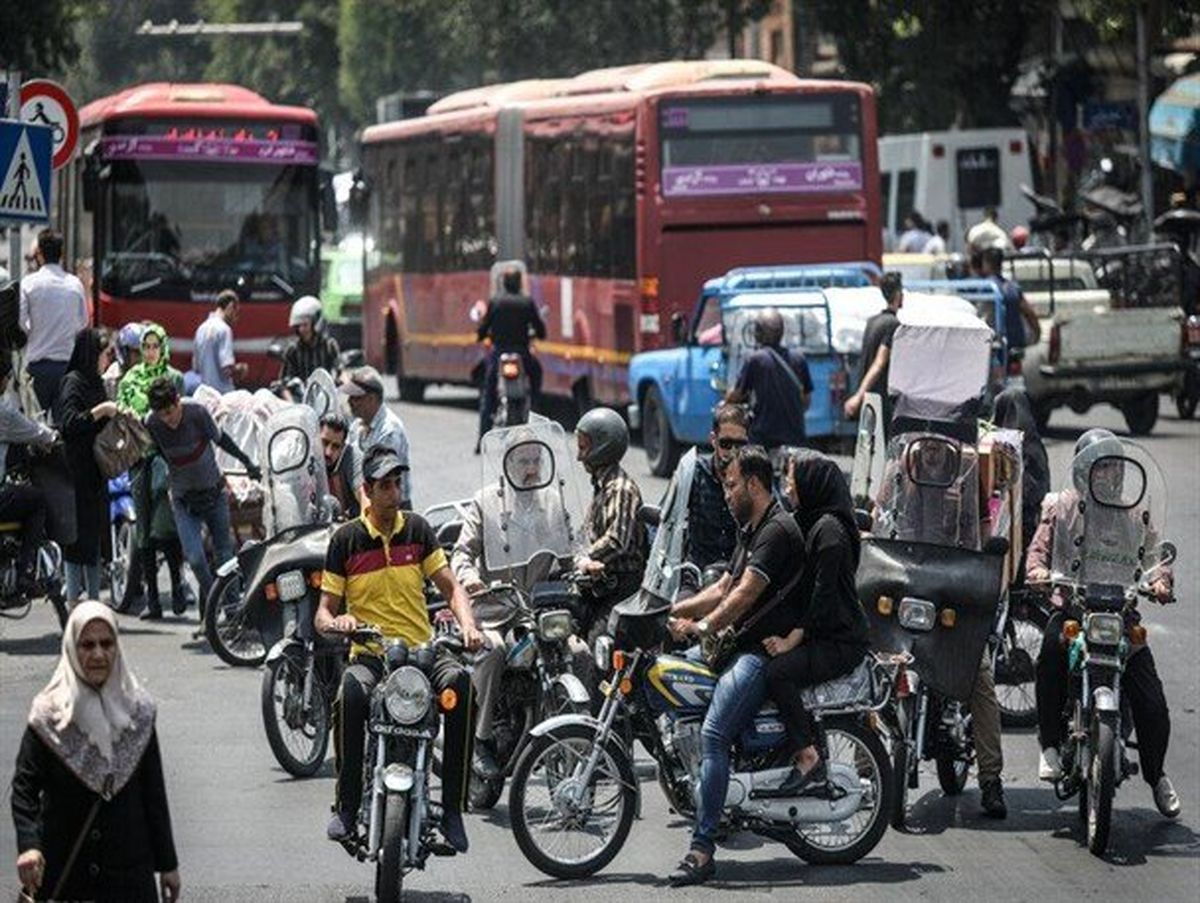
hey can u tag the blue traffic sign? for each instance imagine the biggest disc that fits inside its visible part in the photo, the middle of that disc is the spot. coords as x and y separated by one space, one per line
25 153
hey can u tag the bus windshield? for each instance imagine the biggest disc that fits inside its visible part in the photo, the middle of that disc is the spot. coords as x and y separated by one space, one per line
744 145
188 229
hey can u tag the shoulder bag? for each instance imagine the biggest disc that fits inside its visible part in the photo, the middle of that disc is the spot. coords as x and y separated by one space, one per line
120 444
720 648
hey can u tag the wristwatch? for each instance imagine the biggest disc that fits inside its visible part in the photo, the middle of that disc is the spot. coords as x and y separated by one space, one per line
703 628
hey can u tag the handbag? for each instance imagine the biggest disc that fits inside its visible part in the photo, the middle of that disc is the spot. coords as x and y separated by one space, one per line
122 442
720 648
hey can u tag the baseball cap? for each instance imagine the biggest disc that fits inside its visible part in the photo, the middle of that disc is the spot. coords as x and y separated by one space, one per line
381 461
362 381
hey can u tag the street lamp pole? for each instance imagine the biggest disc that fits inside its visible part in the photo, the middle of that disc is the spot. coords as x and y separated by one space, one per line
1143 76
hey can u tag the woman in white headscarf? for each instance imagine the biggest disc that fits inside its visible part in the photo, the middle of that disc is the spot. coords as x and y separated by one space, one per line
88 798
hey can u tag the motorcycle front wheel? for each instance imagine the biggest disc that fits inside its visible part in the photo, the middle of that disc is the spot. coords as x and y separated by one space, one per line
298 737
1015 694
389 871
850 744
564 828
228 625
1101 782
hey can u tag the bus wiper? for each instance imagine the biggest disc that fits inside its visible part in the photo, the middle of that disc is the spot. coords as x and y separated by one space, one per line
283 283
145 286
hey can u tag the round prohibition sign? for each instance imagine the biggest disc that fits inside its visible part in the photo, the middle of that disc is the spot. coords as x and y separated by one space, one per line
46 103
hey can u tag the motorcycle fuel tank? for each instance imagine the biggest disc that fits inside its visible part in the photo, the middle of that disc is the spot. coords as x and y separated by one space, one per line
679 687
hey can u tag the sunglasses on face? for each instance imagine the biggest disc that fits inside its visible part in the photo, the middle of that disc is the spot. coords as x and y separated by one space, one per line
725 443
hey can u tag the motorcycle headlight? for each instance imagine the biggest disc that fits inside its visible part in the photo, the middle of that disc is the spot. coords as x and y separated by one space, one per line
554 626
291 586
603 654
407 695
1104 629
917 614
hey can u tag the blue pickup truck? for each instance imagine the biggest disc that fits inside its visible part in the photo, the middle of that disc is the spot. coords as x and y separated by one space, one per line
824 308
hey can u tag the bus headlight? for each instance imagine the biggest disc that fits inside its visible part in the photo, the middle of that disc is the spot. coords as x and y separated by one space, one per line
407 695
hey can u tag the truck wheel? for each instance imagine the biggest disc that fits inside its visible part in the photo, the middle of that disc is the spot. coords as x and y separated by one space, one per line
662 451
1141 413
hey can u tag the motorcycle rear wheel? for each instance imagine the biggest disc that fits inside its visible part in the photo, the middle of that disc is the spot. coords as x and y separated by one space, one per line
227 627
1101 783
556 754
1020 646
389 872
282 683
952 773
857 744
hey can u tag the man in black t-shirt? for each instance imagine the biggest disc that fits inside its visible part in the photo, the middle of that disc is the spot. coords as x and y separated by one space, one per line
777 383
770 551
877 348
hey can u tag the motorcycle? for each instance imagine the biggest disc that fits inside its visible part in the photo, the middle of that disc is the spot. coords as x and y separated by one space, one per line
1015 654
124 572
574 792
243 617
1188 394
1107 554
531 514
934 597
397 820
46 472
512 391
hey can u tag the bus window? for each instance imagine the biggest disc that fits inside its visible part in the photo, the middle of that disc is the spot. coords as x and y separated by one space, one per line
906 195
885 194
978 177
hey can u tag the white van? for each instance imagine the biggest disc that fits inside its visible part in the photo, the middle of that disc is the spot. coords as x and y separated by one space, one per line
954 176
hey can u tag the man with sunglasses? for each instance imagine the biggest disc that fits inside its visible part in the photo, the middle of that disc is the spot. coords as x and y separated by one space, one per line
712 531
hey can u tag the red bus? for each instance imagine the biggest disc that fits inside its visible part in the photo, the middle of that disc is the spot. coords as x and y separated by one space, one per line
183 190
622 190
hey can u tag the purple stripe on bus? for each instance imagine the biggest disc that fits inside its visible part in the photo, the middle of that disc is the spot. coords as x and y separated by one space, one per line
752 178
218 150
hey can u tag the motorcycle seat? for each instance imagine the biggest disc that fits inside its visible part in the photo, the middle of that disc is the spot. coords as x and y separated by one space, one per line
10 526
854 689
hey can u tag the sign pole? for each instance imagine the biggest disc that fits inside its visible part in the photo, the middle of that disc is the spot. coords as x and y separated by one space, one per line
13 111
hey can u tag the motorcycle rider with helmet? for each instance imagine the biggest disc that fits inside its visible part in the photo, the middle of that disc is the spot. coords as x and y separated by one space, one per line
618 542
511 319
311 348
1140 683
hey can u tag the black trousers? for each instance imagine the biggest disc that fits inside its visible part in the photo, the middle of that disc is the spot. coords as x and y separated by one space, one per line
26 505
807 665
350 729
1141 687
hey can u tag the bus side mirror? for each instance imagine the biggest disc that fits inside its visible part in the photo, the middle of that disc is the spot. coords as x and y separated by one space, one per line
329 214
678 328
360 200
91 176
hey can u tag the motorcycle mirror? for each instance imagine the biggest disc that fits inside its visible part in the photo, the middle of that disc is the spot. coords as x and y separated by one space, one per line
334 506
650 515
275 350
1167 553
863 520
996 545
351 358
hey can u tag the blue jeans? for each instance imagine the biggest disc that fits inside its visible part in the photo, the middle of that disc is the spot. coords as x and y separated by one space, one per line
190 528
737 698
81 577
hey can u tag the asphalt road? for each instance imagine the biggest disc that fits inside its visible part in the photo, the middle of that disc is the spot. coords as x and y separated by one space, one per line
246 831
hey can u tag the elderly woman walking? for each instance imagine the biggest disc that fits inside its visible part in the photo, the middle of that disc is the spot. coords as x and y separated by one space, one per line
88 798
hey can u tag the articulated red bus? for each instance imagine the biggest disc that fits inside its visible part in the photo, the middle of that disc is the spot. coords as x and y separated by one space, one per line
622 190
183 190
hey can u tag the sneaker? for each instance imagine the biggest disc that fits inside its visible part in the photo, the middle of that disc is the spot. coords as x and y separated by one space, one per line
991 800
340 828
453 830
1166 798
1049 765
484 761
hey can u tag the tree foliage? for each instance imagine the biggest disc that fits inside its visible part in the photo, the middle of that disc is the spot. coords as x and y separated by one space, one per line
936 63
38 43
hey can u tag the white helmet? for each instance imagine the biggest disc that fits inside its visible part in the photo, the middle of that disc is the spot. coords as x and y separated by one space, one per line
306 308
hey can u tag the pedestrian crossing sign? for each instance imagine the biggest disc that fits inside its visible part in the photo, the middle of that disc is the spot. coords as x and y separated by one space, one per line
25 152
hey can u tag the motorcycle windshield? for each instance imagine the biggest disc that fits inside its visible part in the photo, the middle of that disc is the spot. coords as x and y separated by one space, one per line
930 491
294 469
320 392
531 497
663 572
1108 516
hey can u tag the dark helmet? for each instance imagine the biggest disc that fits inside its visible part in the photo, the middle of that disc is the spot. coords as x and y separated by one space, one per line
608 434
768 326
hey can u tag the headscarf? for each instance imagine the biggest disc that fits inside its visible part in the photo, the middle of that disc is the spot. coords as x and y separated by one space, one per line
1012 411
99 734
134 391
822 490
85 356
